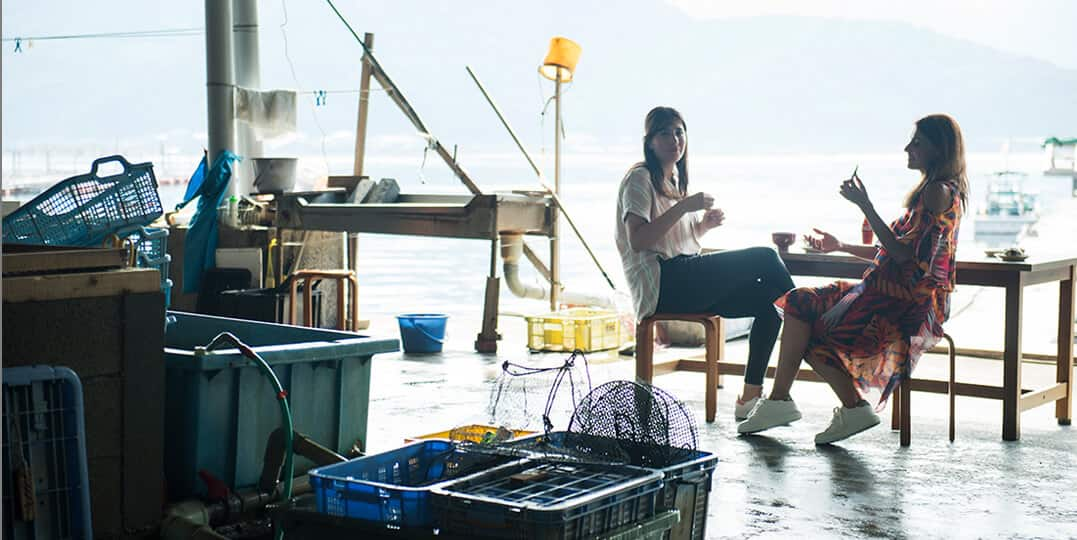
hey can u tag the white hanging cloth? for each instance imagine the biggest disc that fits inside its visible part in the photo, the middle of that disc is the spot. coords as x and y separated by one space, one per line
270 113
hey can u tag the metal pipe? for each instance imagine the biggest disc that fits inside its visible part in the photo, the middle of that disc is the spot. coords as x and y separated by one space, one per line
247 65
555 246
511 251
220 79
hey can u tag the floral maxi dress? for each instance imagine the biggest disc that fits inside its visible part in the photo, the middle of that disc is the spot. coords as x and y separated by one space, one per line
872 328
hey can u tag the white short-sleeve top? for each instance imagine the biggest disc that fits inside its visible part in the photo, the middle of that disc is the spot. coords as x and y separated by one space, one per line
642 272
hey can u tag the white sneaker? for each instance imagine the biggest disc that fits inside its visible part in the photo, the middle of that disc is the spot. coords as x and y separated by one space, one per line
769 413
740 412
848 422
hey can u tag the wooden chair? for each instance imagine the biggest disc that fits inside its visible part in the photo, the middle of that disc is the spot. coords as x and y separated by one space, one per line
901 416
646 368
342 278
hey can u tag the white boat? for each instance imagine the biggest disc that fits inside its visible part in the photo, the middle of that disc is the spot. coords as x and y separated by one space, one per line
1061 156
1009 210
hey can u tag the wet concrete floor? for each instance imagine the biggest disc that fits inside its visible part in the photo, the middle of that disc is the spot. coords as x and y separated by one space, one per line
781 485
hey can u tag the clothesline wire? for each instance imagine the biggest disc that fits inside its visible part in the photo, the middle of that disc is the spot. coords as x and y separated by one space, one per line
108 35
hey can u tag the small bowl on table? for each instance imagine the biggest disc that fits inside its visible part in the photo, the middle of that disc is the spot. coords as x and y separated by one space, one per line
783 240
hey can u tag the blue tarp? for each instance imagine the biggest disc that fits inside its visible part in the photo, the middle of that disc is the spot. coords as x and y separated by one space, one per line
200 249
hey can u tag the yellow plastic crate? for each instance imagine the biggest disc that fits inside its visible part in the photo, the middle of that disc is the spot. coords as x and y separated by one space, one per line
476 433
576 328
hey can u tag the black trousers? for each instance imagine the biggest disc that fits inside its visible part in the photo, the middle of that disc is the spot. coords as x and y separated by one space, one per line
735 283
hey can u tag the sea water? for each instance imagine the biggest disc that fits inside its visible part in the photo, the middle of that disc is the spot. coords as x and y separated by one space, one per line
760 194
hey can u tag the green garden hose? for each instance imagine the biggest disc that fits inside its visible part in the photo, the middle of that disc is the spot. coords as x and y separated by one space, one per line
285 411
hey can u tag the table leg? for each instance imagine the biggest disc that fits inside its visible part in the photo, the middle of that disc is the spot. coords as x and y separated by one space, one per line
1011 359
1064 361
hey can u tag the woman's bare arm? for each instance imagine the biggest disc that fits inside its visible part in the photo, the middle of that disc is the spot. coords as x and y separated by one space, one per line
643 235
861 251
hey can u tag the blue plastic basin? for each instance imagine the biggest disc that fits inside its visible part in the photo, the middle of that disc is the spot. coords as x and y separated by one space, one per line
422 332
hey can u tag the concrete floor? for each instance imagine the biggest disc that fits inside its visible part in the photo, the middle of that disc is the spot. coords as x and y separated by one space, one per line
781 485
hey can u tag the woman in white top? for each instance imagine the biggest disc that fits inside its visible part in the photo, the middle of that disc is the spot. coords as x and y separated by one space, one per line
658 230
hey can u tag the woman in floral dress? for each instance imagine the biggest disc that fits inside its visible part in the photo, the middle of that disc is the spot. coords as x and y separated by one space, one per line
860 336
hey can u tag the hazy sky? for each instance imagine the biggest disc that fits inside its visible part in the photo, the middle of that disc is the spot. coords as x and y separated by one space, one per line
106 89
1044 29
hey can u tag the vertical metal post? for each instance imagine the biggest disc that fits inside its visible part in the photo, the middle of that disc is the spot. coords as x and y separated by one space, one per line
220 78
555 247
248 75
486 341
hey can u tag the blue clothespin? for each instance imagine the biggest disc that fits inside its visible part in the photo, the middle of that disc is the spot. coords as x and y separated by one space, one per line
18 45
319 97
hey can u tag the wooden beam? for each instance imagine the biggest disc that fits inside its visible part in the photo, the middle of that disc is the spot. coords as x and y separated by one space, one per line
1064 370
992 354
537 263
1043 396
669 366
82 285
364 103
63 260
734 368
696 364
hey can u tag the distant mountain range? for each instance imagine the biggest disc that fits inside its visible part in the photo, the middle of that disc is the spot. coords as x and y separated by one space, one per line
745 85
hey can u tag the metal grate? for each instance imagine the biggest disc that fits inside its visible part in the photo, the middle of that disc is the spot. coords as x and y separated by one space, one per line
547 484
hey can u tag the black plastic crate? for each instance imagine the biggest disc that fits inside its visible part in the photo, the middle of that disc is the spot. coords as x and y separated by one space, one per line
687 475
548 500
300 520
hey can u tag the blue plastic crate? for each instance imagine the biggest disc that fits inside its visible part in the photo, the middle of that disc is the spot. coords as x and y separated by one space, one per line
548 499
220 409
687 477
393 488
150 245
45 443
85 210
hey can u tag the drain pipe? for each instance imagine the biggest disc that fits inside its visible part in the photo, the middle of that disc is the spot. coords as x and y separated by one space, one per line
512 247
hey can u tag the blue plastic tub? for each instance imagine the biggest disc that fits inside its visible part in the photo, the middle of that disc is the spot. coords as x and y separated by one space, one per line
422 332
44 429
393 488
220 410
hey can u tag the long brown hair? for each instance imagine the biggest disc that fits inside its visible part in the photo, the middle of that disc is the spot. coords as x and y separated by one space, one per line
658 119
943 133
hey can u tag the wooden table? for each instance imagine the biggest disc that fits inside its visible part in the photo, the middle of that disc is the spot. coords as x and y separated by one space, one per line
1013 277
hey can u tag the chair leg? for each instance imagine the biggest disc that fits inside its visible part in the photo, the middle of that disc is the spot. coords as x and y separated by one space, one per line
720 357
712 333
895 411
906 412
645 351
951 388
